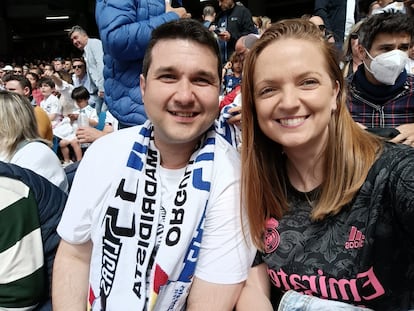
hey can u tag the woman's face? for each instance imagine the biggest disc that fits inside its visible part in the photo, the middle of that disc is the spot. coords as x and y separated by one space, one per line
294 94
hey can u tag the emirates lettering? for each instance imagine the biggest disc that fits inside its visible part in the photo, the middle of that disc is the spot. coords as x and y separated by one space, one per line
331 288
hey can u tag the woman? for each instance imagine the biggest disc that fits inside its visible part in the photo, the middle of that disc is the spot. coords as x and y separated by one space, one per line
20 143
36 92
330 206
352 57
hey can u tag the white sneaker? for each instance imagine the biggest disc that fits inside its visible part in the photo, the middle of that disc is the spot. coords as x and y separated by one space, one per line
66 163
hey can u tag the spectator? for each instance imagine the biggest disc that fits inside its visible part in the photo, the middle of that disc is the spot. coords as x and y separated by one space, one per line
20 142
339 16
182 71
209 16
234 21
380 92
81 78
390 6
68 66
30 209
330 206
266 23
58 64
34 82
18 70
232 73
22 86
93 56
50 103
81 96
125 41
48 70
352 56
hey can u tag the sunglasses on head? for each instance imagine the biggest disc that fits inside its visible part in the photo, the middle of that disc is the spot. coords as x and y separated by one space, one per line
77 66
354 35
321 27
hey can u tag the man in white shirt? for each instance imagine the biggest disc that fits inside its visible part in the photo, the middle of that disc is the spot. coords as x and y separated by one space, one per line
161 229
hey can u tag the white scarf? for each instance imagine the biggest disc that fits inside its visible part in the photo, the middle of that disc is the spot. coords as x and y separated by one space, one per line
130 226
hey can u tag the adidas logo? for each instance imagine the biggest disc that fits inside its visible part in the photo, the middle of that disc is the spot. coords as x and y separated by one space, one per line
355 240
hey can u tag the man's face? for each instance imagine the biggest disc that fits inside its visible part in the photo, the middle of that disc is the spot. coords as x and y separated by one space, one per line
385 42
79 68
14 86
79 40
58 65
226 4
68 65
18 71
181 92
48 71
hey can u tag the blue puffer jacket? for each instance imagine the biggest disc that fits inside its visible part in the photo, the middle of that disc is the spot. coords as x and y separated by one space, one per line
125 28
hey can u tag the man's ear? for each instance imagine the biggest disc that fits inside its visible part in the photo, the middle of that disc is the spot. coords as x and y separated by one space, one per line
26 91
362 51
142 84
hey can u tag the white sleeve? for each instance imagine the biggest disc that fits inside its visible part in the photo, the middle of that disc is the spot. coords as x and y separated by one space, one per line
226 250
88 197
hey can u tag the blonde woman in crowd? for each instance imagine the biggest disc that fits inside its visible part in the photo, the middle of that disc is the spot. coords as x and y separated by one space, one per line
20 142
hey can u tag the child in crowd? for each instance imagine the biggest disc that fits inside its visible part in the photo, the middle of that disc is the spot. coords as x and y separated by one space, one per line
50 103
81 96
232 73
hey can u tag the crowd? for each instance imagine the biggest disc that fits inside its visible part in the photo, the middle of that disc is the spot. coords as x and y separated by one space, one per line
227 163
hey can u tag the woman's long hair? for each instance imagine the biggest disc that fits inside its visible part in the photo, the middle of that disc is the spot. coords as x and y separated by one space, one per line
17 122
349 154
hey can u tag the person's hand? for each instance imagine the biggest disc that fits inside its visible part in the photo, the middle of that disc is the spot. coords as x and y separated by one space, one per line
228 65
73 116
236 119
180 11
406 135
225 35
101 94
88 134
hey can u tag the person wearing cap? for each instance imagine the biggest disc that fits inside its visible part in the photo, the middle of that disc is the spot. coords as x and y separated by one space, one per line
7 69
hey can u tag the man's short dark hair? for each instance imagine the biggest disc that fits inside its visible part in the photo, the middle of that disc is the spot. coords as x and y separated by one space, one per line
186 29
23 81
388 22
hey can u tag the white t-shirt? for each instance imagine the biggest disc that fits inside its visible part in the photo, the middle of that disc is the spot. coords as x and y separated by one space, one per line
225 255
41 159
52 105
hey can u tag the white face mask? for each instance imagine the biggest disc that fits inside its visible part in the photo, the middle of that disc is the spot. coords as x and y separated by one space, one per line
386 67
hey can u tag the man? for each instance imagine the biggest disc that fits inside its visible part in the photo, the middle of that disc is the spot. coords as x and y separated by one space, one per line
125 38
93 56
209 16
380 92
233 21
162 228
80 77
58 64
21 85
339 16
18 70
